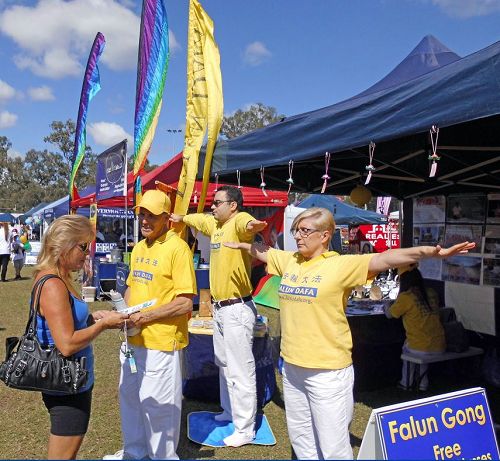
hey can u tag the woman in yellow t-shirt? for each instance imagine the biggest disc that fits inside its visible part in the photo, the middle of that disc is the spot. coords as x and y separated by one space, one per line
418 307
316 344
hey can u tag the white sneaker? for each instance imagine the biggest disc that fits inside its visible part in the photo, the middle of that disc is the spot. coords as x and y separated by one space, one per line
237 440
223 417
117 455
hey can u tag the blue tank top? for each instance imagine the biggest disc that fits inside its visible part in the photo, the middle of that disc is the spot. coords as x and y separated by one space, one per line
80 311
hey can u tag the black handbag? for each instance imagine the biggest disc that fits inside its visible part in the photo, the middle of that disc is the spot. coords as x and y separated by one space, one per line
32 366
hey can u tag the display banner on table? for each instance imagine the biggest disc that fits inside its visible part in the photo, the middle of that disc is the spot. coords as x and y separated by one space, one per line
114 213
457 425
111 172
32 255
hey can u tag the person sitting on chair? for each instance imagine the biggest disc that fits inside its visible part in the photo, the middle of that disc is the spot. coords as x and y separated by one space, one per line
419 309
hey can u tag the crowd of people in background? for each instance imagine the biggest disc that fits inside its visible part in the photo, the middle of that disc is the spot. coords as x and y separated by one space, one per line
13 246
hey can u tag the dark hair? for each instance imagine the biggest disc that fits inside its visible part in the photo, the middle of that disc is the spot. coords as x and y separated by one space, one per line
234 194
414 282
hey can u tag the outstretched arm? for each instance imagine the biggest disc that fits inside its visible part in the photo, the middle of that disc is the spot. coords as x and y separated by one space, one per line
256 250
403 256
176 218
256 226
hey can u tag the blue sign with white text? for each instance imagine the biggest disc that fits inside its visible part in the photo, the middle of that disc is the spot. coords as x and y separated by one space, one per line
450 426
111 174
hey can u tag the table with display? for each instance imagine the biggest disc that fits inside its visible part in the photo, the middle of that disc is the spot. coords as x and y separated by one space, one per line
109 276
201 375
377 342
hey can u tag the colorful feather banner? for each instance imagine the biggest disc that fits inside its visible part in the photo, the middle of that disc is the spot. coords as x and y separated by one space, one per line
91 86
152 68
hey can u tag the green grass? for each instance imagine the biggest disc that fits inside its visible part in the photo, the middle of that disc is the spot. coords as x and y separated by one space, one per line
26 423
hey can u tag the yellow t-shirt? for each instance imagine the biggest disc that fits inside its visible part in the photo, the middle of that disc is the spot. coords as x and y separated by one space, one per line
229 269
163 271
313 296
424 331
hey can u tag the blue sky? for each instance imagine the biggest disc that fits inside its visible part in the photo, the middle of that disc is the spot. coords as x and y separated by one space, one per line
295 55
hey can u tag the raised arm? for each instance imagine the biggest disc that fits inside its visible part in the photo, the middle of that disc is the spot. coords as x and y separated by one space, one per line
176 218
256 226
256 250
403 256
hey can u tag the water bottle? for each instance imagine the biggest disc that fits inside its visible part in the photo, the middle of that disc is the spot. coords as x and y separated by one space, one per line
120 305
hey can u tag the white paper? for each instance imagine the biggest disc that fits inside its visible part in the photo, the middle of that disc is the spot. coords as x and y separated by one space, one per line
474 306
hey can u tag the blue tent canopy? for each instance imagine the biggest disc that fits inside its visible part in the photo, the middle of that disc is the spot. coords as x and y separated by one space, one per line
343 213
431 87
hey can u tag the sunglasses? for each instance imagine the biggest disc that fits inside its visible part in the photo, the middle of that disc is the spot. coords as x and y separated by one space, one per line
84 246
216 203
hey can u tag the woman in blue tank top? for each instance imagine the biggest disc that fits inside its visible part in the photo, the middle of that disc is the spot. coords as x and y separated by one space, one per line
64 319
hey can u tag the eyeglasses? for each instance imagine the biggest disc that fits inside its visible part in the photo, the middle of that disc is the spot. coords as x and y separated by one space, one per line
303 231
216 203
84 247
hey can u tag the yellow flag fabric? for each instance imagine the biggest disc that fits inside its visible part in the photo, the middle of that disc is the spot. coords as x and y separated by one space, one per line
215 110
204 99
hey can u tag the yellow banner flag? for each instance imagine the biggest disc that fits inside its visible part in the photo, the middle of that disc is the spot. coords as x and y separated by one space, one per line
215 110
204 100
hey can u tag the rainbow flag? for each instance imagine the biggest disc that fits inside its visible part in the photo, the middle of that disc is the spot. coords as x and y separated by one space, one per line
152 65
91 86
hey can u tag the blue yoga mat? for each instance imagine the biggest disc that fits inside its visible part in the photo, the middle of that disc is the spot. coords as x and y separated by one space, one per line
203 429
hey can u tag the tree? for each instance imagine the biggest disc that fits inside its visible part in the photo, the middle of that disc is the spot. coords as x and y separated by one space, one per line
63 137
241 122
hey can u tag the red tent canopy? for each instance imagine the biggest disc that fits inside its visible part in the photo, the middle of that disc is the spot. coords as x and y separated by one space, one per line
252 196
168 173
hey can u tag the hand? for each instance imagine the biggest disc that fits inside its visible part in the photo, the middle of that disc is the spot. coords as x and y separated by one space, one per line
99 315
256 226
233 245
139 319
459 248
114 319
177 218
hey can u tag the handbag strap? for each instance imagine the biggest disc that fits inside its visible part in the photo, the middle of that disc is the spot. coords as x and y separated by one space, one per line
35 302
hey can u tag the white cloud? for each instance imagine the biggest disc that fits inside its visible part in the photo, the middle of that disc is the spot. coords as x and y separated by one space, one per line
55 36
6 91
107 134
12 153
173 44
256 53
41 93
7 119
468 8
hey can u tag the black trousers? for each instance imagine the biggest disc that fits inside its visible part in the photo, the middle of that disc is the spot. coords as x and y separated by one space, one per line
4 262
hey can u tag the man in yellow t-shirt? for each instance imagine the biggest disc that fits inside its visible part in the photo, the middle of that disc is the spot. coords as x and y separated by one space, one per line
234 309
161 269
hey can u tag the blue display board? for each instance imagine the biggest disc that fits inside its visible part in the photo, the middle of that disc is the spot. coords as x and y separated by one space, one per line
449 426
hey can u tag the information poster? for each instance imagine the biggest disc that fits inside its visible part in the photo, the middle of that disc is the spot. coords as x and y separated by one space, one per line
458 233
429 209
431 268
428 234
492 241
462 269
449 426
493 214
491 271
466 208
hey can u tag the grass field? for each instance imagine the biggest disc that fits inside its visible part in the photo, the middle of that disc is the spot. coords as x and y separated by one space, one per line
25 421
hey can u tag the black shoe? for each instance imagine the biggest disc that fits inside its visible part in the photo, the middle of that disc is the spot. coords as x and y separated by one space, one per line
17 277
